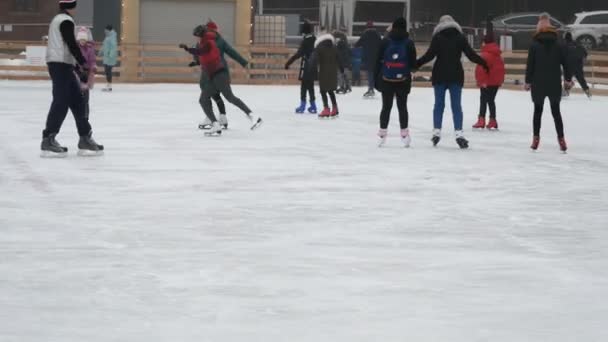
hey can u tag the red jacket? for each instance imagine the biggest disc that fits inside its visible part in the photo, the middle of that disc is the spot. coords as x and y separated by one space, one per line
209 55
493 56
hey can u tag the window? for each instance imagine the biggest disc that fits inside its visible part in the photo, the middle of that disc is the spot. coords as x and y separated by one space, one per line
26 5
596 19
530 20
556 23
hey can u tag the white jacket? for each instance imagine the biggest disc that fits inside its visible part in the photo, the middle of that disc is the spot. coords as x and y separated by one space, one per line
57 50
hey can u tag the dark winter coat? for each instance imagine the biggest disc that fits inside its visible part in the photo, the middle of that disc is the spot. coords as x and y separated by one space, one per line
225 49
448 45
370 41
343 49
546 58
400 36
307 47
326 60
576 55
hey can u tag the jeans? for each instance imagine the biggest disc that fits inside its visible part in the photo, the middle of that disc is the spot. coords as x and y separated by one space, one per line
455 90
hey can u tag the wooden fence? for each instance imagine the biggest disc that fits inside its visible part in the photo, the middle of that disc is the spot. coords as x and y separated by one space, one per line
169 64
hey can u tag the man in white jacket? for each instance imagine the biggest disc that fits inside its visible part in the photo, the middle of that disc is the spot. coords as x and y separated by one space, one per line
66 63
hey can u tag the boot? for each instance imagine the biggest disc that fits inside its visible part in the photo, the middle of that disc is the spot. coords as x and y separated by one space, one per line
256 121
302 108
215 130
224 121
436 136
493 124
313 108
369 94
326 113
50 148
334 112
406 139
588 93
87 147
562 144
535 143
462 142
481 122
205 125
382 133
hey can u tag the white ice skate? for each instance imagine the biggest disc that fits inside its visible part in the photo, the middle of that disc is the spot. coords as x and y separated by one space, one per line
223 121
215 130
108 88
205 125
382 134
406 138
256 121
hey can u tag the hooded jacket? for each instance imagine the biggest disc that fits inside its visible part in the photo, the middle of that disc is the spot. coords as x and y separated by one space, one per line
491 53
326 60
448 45
109 49
546 58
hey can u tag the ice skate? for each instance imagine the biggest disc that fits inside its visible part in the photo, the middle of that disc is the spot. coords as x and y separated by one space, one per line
224 121
107 88
588 93
256 121
382 134
406 138
313 108
492 125
481 123
205 125
369 94
302 108
50 148
87 147
535 143
436 137
334 113
215 130
562 144
462 142
325 114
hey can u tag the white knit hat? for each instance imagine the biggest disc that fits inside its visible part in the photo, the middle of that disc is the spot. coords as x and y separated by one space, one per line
82 34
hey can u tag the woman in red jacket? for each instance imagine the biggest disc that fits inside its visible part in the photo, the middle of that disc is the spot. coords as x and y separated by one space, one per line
489 82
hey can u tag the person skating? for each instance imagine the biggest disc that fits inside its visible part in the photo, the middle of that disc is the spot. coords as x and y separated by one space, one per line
306 75
63 58
109 52
345 54
326 60
546 58
225 49
576 62
489 82
219 79
370 42
393 73
87 48
448 45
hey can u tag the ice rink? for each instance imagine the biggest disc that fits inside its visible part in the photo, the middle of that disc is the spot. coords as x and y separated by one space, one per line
303 230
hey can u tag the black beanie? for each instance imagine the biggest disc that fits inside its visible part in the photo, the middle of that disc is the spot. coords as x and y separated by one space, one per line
67 4
199 31
568 36
306 27
400 24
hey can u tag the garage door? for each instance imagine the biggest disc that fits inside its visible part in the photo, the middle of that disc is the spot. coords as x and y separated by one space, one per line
171 22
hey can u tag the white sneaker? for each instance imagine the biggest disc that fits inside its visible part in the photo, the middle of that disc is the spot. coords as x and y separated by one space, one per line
382 134
256 121
223 121
406 139
215 130
205 125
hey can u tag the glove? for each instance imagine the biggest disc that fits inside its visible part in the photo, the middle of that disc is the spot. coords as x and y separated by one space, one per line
183 46
83 73
527 87
193 64
486 68
568 85
286 66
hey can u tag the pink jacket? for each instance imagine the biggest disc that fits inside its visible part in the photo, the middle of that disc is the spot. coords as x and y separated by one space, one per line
88 51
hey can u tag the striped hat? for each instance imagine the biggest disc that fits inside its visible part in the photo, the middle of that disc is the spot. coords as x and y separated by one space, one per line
67 4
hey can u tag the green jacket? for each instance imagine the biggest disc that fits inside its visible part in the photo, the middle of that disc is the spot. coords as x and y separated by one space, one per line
225 49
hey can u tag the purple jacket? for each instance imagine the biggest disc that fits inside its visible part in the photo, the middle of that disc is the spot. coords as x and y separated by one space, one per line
88 51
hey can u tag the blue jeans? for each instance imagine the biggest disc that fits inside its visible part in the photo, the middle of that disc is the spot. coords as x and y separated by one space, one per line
456 100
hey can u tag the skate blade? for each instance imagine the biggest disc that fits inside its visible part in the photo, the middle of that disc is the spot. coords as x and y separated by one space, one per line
257 124
53 155
213 134
89 153
204 127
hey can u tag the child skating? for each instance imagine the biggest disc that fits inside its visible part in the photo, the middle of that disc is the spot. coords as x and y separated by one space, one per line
326 61
307 75
394 78
87 48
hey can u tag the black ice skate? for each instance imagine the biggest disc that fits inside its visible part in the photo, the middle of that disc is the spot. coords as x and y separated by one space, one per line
50 148
87 147
462 143
436 137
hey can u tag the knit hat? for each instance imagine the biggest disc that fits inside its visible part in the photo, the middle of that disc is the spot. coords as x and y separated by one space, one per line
489 37
82 34
400 24
544 22
211 25
306 27
370 24
67 4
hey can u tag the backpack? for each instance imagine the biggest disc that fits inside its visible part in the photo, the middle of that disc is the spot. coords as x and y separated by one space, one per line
395 63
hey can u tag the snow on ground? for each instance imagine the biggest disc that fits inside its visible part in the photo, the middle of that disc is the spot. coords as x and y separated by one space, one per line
303 230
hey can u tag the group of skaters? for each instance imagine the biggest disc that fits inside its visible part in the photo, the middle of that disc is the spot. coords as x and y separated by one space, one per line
391 61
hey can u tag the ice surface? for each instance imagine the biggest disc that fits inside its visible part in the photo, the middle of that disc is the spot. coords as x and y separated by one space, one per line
303 230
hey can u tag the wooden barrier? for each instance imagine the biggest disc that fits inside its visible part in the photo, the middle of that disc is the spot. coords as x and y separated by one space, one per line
163 63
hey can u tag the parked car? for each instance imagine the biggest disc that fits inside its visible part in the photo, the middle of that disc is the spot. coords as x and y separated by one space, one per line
522 27
588 28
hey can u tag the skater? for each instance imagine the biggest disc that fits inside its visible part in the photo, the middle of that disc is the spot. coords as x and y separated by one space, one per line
345 59
576 62
63 58
225 49
370 43
307 75
394 78
448 45
109 52
546 58
326 60
489 82
87 48
219 79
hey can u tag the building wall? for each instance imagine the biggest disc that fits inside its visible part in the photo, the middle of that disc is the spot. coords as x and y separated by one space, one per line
26 25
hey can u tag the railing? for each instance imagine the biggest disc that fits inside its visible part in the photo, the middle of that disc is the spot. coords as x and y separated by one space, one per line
162 63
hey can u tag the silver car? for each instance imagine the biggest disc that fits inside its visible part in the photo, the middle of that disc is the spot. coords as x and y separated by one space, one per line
588 28
522 27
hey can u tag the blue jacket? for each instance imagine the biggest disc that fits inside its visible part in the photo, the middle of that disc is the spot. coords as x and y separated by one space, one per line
109 50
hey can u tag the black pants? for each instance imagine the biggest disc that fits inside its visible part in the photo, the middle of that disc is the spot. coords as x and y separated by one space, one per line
579 73
66 95
220 84
389 93
557 116
221 106
108 71
332 96
86 96
488 99
307 86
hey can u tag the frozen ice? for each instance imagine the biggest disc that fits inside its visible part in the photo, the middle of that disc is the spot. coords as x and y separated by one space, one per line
303 230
